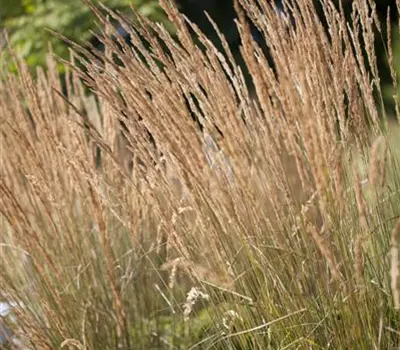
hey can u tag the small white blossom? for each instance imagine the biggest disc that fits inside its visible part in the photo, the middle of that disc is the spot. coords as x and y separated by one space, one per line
191 299
230 316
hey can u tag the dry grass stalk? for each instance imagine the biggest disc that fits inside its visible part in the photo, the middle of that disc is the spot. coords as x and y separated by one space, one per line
358 259
394 269
361 204
326 252
377 164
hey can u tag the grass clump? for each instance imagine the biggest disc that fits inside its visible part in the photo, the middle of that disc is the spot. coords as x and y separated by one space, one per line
153 200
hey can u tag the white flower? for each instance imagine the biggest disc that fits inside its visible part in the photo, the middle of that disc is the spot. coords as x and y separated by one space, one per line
191 299
230 316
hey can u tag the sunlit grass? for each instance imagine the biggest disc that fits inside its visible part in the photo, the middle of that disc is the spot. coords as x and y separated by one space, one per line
262 218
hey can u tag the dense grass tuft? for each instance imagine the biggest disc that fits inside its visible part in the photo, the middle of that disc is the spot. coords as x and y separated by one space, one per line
154 200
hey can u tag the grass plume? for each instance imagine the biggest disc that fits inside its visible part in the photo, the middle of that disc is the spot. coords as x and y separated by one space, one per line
155 191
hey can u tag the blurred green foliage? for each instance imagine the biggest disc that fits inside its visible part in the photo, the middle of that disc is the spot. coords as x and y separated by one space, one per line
390 94
28 22
173 330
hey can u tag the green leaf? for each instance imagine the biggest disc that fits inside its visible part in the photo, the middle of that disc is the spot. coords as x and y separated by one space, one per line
27 22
